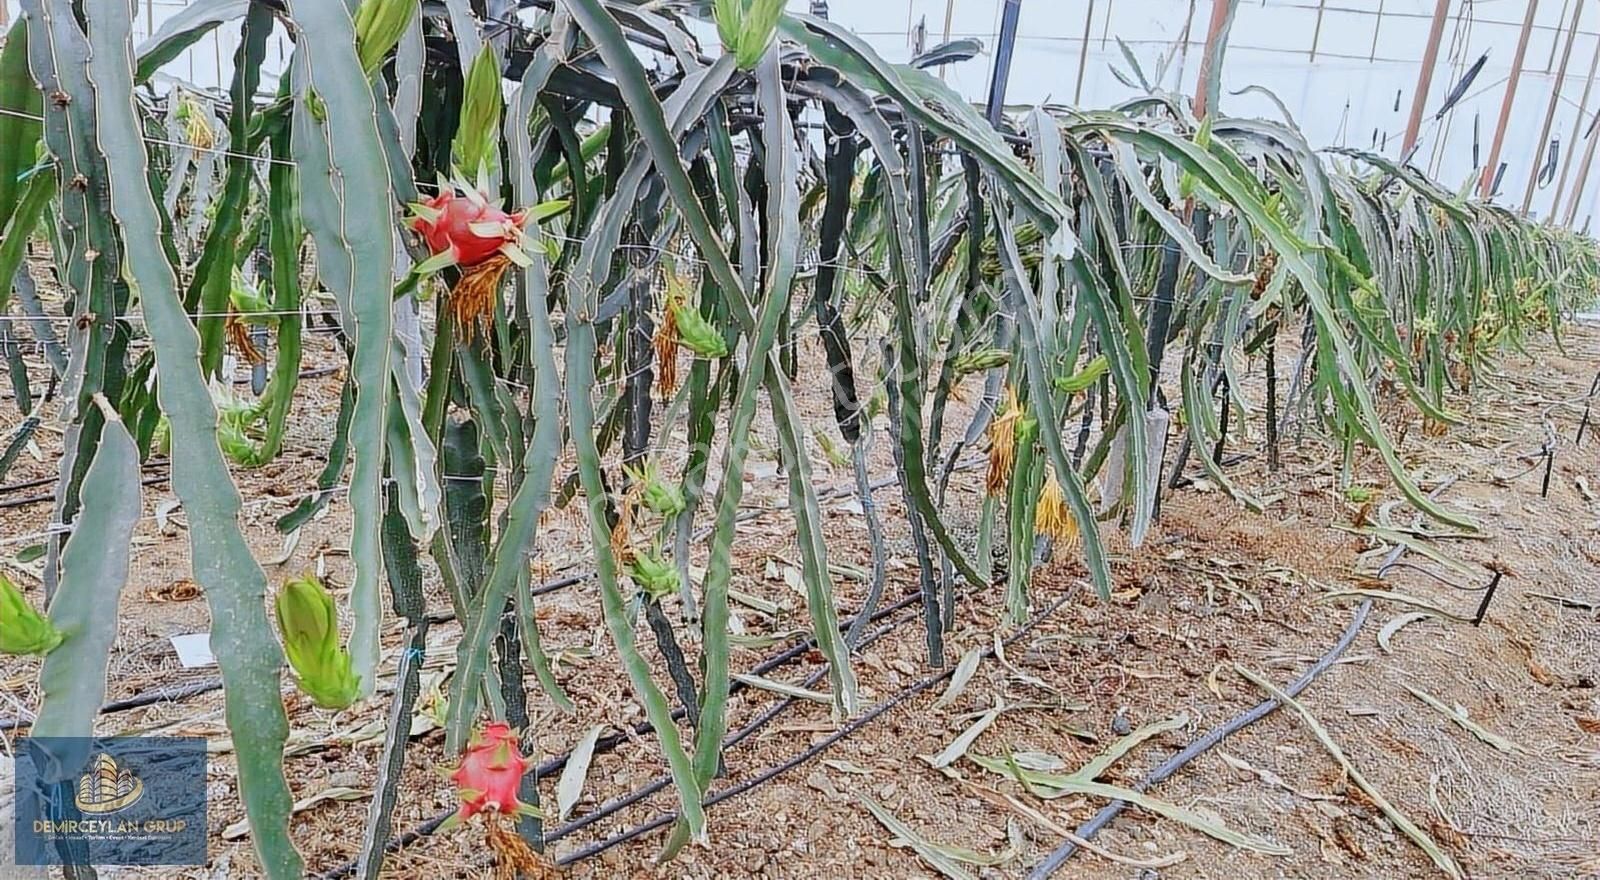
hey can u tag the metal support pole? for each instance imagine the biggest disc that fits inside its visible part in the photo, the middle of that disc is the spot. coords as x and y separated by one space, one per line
1572 142
1183 46
1583 176
1550 110
1551 61
1377 25
1002 60
1316 32
1083 55
949 13
1490 168
1430 57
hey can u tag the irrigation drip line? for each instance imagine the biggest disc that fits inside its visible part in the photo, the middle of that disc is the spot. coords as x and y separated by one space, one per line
149 698
42 497
45 481
1217 734
609 743
738 736
816 749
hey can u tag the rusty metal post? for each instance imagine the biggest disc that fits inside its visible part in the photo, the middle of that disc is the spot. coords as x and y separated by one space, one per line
1491 167
1550 110
1219 19
1583 176
1430 57
1551 61
1577 132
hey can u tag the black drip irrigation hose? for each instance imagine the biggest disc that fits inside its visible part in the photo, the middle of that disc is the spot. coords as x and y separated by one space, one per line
608 743
738 736
1216 735
145 698
148 698
814 750
1172 765
44 497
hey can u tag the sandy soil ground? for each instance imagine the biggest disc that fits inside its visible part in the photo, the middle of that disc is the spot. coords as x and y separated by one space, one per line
1213 585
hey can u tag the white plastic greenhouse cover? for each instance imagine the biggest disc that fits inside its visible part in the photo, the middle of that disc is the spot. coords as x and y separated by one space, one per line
1354 90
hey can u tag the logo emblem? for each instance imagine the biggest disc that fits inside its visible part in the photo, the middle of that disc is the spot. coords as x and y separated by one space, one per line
107 787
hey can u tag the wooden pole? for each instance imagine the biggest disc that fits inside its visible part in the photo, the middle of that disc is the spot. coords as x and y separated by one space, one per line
1550 109
1219 19
1430 57
1491 167
1577 132
1083 54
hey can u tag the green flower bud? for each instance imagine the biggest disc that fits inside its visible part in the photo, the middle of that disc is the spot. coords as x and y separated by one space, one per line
697 334
657 495
983 359
22 629
244 298
379 26
746 28
654 575
1091 373
477 143
309 627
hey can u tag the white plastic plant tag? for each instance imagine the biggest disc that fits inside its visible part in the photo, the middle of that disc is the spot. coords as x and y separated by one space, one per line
194 650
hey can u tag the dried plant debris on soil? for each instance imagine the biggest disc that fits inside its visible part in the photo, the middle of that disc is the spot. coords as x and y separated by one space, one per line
1487 739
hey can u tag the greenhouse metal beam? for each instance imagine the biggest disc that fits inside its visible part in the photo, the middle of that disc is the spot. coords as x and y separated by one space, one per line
1430 57
1550 109
1316 32
1491 168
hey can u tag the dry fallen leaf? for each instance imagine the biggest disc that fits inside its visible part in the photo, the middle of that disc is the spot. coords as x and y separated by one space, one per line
180 590
1541 673
1447 834
1346 837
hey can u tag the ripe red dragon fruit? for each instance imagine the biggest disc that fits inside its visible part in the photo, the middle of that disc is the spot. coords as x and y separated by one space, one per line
490 772
463 227
464 223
